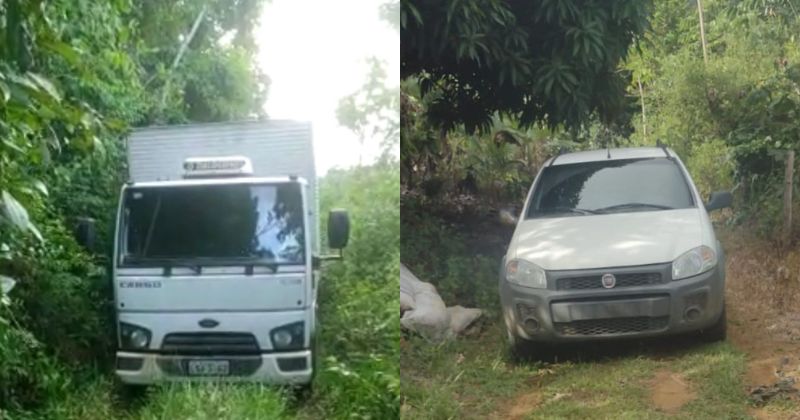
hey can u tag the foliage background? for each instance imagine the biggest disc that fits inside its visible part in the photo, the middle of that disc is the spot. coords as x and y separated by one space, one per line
730 119
75 76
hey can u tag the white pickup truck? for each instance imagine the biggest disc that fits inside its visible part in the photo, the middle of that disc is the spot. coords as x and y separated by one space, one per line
216 259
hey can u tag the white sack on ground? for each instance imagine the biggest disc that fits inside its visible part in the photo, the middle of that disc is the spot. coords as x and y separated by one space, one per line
461 318
425 311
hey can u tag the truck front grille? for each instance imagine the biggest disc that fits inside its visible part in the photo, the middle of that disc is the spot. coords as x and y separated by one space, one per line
595 282
612 326
217 343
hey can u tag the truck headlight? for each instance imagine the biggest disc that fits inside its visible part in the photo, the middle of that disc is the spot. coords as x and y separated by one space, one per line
133 337
288 337
695 261
526 274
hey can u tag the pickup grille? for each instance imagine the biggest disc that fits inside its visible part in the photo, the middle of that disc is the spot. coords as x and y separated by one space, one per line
217 343
595 282
612 326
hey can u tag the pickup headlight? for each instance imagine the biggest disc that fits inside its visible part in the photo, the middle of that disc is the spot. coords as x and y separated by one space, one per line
695 261
133 337
288 337
526 274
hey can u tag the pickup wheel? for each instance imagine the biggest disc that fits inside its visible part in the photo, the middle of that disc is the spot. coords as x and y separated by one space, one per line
520 349
718 331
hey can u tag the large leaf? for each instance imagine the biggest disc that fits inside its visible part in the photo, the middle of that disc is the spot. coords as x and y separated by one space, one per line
45 84
63 49
14 211
17 215
6 284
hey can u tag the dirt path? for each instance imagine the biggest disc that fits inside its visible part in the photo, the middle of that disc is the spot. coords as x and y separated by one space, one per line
669 391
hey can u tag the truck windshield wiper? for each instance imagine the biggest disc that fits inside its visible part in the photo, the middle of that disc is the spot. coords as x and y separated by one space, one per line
197 264
164 262
625 206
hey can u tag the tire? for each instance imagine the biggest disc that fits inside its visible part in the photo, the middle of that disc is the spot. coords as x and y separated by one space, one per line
718 331
519 349
132 393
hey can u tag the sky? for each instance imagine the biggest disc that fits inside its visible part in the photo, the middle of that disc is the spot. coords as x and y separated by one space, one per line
314 52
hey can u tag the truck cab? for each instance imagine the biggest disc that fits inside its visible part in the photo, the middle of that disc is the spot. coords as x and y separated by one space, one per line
217 253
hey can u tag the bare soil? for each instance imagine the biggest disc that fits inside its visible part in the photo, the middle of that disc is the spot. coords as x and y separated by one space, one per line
669 391
524 404
763 296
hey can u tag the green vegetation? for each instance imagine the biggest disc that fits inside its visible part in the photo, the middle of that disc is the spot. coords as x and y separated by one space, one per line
552 61
75 76
731 119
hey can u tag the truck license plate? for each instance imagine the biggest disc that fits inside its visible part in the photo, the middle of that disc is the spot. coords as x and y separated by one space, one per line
209 367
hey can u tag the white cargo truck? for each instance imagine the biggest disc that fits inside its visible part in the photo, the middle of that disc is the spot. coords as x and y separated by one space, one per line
217 254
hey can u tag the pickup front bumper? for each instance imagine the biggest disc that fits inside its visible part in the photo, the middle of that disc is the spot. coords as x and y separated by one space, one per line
643 302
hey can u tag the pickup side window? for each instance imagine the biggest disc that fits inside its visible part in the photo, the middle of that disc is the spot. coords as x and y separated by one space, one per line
610 186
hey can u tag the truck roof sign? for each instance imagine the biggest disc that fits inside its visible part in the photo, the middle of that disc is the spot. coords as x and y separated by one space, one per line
217 166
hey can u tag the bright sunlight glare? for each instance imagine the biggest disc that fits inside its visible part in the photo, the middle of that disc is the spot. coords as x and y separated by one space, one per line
315 53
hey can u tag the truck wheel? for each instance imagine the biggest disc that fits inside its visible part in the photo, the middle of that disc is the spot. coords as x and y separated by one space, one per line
718 331
131 393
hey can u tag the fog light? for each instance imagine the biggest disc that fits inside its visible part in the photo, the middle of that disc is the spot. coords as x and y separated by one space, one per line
692 314
531 324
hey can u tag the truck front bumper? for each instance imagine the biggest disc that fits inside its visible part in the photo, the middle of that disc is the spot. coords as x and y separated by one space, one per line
283 368
564 313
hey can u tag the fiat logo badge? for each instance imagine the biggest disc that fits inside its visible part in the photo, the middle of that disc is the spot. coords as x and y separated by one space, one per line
609 281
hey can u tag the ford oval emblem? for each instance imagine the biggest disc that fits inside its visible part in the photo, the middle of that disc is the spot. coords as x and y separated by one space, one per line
609 281
208 323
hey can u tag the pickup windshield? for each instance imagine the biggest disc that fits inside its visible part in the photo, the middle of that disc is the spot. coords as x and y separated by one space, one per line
610 186
213 224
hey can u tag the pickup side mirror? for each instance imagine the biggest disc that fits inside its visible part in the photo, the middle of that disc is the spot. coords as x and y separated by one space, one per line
718 200
85 233
338 229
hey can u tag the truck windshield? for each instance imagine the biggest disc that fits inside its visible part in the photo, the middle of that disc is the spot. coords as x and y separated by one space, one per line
610 186
218 224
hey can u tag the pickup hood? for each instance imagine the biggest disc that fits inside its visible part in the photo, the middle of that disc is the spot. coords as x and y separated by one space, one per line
608 240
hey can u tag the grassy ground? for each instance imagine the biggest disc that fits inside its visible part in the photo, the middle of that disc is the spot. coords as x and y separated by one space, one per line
474 377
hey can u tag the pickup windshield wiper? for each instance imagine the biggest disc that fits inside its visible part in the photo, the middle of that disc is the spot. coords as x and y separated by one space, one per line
575 210
626 206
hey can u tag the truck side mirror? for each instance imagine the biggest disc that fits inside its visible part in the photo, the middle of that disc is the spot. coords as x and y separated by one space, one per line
85 233
338 228
718 200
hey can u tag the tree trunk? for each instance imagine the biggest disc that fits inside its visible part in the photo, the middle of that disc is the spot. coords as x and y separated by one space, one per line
787 197
644 118
702 31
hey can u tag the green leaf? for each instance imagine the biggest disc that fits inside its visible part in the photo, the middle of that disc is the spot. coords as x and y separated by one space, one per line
45 84
63 49
5 91
14 211
17 215
6 284
39 185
